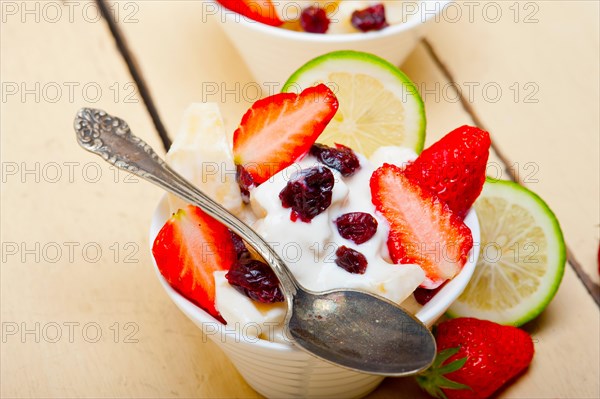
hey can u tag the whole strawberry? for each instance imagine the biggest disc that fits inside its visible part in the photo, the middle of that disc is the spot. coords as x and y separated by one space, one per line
454 168
475 358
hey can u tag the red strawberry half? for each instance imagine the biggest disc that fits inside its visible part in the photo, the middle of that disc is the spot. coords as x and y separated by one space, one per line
188 249
475 358
454 167
423 230
278 130
257 10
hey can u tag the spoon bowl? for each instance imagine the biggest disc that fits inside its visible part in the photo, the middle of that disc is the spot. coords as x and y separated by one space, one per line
361 332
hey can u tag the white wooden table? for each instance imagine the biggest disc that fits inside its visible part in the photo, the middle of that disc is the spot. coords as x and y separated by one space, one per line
81 310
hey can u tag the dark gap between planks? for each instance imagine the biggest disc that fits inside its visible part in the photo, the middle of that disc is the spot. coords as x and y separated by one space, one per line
135 72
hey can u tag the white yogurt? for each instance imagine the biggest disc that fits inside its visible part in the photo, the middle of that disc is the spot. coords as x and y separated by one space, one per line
309 248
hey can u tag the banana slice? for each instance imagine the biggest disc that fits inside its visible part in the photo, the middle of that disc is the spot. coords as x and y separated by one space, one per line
202 154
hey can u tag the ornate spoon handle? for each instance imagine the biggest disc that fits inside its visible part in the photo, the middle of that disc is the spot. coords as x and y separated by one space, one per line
111 138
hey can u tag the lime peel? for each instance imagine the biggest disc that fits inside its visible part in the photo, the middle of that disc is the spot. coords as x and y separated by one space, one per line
522 257
379 104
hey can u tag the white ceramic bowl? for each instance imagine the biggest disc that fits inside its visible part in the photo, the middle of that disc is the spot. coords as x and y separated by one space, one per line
273 53
279 370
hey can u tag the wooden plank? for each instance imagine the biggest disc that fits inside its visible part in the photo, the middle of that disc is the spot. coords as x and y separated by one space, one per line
56 304
546 118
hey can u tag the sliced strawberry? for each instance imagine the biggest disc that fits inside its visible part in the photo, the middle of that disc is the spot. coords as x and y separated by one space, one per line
278 130
257 10
188 249
454 167
423 230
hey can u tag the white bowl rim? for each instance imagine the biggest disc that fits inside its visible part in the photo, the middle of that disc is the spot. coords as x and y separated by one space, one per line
436 305
332 37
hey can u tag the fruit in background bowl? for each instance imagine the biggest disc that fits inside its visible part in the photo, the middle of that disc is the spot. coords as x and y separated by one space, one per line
322 16
274 48
258 10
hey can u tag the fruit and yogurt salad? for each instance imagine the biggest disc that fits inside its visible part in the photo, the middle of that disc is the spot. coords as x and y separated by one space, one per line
387 224
339 185
322 16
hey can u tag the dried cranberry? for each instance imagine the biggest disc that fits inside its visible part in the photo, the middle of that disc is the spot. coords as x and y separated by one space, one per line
356 226
341 158
314 20
423 295
245 181
350 260
371 18
256 280
239 246
308 192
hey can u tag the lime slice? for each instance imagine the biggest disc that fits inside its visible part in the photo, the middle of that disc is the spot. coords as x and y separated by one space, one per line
379 105
521 260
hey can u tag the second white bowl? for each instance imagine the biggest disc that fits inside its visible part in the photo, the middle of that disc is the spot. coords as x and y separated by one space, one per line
273 53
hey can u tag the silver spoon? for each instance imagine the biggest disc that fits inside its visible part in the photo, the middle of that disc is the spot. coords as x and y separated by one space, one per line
350 328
